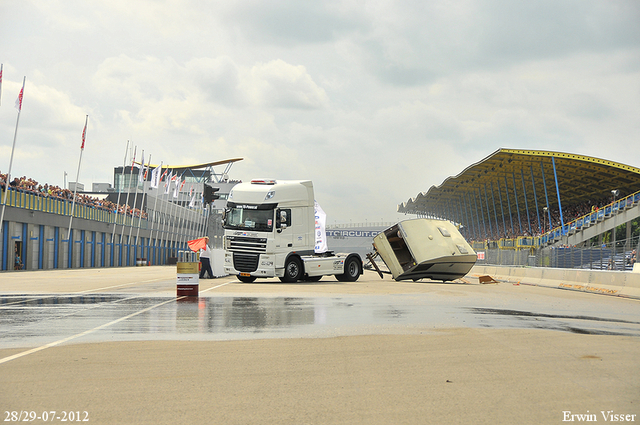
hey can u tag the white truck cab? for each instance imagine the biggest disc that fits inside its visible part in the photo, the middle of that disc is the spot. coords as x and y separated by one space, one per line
270 231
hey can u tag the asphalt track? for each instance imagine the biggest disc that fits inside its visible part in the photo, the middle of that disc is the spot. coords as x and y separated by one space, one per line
116 346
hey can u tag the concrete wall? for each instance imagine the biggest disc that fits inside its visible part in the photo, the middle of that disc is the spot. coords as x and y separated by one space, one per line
622 284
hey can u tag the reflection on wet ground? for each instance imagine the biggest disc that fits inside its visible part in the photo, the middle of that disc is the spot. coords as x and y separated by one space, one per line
34 320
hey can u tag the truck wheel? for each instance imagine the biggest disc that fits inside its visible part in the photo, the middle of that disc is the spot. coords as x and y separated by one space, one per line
352 270
246 279
292 270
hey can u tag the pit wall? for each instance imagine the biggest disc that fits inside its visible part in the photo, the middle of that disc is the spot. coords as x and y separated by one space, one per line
614 283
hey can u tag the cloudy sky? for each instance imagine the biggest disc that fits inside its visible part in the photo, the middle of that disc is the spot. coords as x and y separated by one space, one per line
374 101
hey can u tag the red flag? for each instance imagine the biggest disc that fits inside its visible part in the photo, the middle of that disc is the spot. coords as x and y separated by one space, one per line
84 134
197 244
19 100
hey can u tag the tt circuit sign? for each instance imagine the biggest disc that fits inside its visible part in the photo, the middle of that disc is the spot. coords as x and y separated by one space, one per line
342 234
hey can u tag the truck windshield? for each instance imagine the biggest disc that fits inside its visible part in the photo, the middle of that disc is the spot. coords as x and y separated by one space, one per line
246 219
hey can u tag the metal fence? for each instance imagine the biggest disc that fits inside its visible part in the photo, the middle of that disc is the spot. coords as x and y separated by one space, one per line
620 257
36 202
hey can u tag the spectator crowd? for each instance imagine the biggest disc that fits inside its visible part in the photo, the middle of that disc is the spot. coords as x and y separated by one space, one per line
570 213
28 185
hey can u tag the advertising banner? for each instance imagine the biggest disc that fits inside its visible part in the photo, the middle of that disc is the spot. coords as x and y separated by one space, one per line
321 234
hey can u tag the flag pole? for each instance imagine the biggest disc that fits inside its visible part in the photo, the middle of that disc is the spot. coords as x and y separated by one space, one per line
144 179
75 189
155 205
115 218
175 212
135 199
165 212
182 224
124 220
13 148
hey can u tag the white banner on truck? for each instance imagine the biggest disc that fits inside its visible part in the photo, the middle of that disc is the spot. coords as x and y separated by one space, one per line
321 234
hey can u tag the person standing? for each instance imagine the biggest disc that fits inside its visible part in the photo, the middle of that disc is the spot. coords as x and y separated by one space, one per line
205 259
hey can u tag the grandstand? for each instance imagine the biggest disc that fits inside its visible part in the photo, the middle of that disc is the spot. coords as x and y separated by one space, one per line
529 199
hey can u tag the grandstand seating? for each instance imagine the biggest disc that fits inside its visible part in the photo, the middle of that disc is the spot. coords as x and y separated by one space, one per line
554 235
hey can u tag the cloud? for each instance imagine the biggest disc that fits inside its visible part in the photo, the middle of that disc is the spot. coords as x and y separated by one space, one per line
281 85
413 42
291 22
219 79
373 101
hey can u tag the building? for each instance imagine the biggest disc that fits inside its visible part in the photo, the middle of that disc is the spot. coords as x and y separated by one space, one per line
134 224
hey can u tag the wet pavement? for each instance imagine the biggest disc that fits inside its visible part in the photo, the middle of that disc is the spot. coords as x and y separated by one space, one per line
119 345
35 320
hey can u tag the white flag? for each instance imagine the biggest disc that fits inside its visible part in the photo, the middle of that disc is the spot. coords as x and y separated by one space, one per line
155 177
177 189
167 183
192 204
141 170
19 100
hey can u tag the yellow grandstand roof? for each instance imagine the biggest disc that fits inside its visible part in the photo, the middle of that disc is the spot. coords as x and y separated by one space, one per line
195 166
507 174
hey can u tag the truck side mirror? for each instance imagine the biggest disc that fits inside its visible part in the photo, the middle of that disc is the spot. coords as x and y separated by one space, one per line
224 215
282 219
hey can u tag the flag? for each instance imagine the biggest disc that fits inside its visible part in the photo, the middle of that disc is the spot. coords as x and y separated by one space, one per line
197 244
155 177
192 204
164 174
141 171
19 100
177 189
84 133
191 191
167 183
133 161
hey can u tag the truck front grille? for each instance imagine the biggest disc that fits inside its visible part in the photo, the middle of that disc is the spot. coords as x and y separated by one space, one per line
247 245
245 262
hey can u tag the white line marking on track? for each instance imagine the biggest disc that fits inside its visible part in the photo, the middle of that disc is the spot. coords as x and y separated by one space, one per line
77 293
97 328
117 286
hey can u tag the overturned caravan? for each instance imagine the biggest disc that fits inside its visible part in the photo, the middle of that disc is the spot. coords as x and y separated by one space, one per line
424 248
